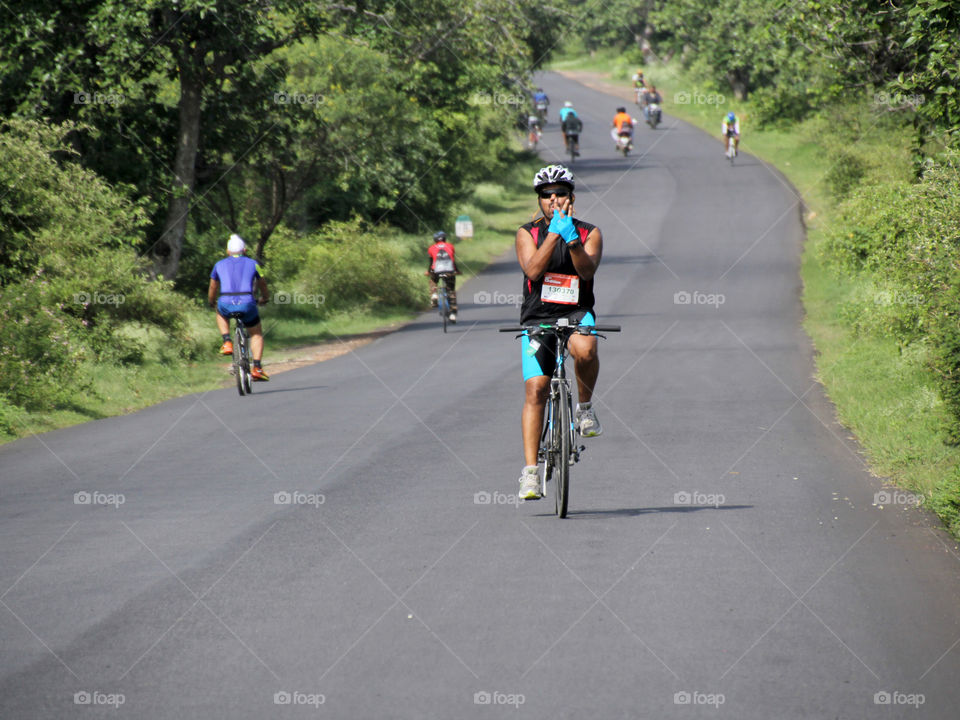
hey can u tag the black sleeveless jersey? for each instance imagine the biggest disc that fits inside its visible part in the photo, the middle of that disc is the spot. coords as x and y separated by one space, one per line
534 309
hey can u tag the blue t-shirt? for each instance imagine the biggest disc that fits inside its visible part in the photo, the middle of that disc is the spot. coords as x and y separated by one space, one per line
564 111
236 274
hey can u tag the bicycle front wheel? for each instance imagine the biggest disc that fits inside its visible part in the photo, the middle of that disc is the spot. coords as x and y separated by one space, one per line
563 429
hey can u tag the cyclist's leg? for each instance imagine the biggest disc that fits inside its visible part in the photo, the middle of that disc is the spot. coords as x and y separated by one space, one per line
223 325
451 282
251 318
536 390
537 369
583 349
256 342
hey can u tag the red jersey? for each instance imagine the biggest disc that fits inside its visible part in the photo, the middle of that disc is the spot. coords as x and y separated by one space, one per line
442 252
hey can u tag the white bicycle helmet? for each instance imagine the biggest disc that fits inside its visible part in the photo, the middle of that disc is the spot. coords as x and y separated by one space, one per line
552 175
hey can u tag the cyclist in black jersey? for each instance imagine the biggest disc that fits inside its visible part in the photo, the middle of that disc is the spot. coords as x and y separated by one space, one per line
559 256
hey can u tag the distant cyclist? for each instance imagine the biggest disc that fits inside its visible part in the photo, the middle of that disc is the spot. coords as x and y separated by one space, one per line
731 129
541 102
443 260
638 85
534 131
572 126
566 110
556 250
234 282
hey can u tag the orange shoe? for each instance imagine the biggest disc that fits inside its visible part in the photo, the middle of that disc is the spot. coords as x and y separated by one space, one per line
258 374
227 348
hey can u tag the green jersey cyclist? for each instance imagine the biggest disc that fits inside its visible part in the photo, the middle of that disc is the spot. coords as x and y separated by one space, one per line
559 256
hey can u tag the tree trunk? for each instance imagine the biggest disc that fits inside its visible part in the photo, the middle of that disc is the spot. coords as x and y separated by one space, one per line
166 253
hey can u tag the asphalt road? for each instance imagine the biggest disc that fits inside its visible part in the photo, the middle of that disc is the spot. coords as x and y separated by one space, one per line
724 556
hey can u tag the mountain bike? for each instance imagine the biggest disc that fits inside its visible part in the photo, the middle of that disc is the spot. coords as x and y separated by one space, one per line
731 148
241 356
443 298
558 447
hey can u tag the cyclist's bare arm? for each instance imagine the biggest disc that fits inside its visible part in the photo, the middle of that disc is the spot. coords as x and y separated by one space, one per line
264 294
586 259
533 259
212 292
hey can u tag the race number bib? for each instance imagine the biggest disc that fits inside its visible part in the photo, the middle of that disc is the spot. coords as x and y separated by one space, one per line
562 289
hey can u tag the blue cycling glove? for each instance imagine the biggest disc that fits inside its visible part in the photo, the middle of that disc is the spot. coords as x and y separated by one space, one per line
563 226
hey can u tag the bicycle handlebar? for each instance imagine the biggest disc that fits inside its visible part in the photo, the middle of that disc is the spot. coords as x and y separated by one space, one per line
572 328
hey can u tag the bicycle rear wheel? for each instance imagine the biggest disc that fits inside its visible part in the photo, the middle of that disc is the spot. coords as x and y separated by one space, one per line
563 434
444 304
241 349
238 360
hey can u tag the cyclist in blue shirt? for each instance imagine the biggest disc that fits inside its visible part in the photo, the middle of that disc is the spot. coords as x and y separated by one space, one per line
233 280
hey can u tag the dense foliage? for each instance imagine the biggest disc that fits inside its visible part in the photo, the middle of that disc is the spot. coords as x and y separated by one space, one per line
71 278
136 137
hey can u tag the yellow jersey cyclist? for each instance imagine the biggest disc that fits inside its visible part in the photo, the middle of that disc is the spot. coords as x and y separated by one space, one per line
559 256
232 283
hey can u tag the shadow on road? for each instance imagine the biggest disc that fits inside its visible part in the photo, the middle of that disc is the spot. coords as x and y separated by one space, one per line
633 512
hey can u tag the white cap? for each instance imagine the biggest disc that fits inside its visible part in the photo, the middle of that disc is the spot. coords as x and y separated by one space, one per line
235 245
568 104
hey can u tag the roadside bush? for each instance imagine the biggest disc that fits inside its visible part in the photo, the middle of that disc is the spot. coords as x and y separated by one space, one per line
40 348
351 265
904 241
70 275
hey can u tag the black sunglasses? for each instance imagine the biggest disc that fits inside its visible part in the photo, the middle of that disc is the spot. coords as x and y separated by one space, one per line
561 193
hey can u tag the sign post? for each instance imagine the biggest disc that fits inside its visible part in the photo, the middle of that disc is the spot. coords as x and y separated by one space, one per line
464 227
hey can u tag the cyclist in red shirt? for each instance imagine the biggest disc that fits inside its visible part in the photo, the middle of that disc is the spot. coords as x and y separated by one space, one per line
443 260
